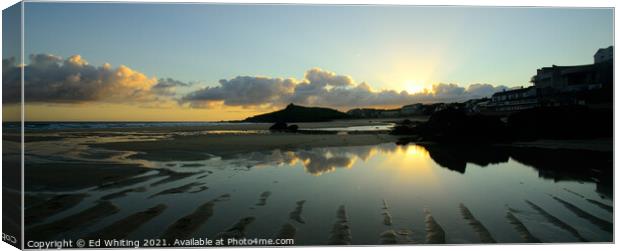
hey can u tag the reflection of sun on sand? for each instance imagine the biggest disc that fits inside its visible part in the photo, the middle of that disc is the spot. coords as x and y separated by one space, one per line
411 162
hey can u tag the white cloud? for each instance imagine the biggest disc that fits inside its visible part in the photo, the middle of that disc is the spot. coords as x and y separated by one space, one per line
52 79
325 88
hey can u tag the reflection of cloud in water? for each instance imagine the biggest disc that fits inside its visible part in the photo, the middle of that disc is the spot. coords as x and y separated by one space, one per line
317 161
556 164
321 162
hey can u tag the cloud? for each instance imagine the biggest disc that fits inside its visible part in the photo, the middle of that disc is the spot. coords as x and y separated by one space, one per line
325 88
484 90
11 77
52 79
243 91
316 161
324 78
167 86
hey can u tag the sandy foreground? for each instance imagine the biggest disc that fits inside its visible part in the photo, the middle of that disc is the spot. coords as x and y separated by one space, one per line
178 146
201 146
49 193
175 145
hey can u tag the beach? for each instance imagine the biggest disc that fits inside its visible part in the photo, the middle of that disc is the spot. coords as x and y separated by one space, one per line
185 147
166 143
243 180
196 143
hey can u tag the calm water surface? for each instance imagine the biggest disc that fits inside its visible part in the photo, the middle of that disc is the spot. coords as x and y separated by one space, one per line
410 179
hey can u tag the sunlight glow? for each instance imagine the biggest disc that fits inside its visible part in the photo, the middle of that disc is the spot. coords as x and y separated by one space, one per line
417 86
414 163
416 151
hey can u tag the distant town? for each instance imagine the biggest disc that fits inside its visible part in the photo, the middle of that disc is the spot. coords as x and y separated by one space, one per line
589 85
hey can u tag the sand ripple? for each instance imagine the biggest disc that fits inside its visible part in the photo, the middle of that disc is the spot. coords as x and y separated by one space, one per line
434 232
341 233
483 233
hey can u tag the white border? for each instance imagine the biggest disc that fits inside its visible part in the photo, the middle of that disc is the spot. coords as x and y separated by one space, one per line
512 3
508 3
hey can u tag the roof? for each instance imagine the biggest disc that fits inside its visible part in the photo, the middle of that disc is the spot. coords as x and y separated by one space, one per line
571 67
513 91
605 49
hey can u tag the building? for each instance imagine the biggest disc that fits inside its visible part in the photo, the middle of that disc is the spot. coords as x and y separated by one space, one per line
414 109
590 85
604 54
554 79
511 100
374 113
579 84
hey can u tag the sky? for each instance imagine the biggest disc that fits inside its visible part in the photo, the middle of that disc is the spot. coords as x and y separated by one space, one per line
205 62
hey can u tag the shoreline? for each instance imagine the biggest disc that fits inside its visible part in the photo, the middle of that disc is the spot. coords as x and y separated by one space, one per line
206 146
200 147
220 126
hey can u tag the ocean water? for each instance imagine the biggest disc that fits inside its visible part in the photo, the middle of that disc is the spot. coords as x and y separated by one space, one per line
39 126
461 187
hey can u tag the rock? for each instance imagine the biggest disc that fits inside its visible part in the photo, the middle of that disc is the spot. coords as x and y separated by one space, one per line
406 122
292 128
455 126
279 126
283 127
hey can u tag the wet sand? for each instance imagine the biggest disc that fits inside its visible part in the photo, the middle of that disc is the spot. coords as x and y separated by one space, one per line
574 193
392 236
124 176
171 176
50 230
481 230
124 227
30 200
47 208
341 232
434 232
186 226
602 224
180 147
521 229
387 218
198 147
262 200
76 175
127 182
296 214
557 222
287 231
389 237
603 206
193 187
236 231
123 193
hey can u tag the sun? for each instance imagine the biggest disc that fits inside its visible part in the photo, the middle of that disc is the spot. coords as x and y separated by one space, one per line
416 86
